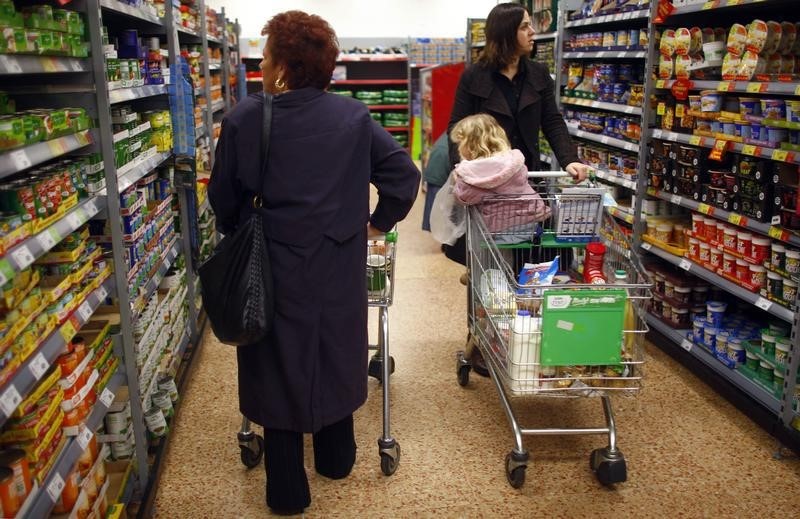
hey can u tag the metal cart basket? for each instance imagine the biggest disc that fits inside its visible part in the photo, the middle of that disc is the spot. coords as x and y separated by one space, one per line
381 260
553 336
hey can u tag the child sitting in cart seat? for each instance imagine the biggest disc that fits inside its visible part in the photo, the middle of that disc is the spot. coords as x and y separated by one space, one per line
489 166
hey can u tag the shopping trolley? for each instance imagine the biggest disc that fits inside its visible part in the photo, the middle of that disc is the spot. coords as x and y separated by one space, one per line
559 336
381 262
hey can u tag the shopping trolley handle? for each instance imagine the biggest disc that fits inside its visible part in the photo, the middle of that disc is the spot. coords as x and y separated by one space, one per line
390 237
558 174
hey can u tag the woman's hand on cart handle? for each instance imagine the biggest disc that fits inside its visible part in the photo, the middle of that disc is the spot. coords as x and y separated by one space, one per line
374 233
578 171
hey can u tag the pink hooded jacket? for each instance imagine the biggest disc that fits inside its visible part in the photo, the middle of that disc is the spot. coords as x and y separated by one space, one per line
501 174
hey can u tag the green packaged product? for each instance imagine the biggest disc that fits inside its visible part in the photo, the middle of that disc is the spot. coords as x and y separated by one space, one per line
12 132
16 39
7 12
395 100
376 116
18 198
39 17
395 93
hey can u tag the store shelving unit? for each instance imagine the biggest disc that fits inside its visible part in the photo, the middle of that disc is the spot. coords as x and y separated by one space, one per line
83 82
779 410
376 73
475 40
633 55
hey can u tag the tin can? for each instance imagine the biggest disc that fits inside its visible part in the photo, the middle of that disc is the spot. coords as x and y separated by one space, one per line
156 423
167 383
162 400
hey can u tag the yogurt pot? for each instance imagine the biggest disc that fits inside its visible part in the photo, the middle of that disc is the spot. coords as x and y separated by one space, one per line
758 276
729 238
778 329
736 351
766 372
793 110
711 101
715 312
749 106
789 290
759 249
716 258
782 347
792 261
742 270
744 242
710 228
768 342
682 294
699 295
710 337
669 289
698 328
752 361
773 109
729 265
778 256
666 311
695 313
721 345
775 285
680 317
697 224
705 253
694 248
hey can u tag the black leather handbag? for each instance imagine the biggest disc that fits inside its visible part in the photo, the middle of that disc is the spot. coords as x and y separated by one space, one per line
237 279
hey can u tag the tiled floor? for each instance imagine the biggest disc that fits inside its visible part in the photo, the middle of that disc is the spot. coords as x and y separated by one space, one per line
689 452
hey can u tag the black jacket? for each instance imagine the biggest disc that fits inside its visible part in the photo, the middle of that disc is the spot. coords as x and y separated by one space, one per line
477 93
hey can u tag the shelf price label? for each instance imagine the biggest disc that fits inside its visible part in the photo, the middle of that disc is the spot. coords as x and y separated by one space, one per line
102 293
84 437
107 397
685 264
705 209
749 149
662 84
661 109
629 109
778 233
6 271
85 311
720 148
10 400
22 256
695 140
780 155
757 88
675 199
20 160
55 487
735 219
797 90
48 239
763 304
38 366
10 64
686 344
725 86
604 139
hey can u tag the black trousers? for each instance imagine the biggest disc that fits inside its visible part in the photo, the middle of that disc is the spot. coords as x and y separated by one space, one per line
287 484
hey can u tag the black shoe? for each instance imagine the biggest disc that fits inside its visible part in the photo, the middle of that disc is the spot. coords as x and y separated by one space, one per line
478 364
287 512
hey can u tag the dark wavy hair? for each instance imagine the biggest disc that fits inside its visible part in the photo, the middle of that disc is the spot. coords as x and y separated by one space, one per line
306 44
501 35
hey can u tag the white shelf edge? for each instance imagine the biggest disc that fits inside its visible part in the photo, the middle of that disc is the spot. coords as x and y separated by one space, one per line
604 139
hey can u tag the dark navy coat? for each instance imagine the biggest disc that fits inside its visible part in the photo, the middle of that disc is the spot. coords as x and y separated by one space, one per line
325 150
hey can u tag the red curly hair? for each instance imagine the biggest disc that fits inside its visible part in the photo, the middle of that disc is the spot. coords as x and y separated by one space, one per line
306 44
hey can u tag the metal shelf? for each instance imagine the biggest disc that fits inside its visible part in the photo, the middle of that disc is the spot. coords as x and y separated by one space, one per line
134 12
368 82
604 139
625 216
21 159
213 39
152 285
140 170
749 87
728 286
21 256
614 179
54 483
736 147
387 107
609 18
614 107
616 54
23 381
187 31
713 4
216 106
24 64
733 376
762 228
129 94
545 36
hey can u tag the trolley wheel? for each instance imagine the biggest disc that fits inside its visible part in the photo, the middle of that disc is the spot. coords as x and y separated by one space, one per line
609 469
390 457
252 458
375 369
463 376
515 469
462 368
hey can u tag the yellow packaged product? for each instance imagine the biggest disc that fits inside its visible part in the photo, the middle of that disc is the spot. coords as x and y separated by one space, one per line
757 33
730 66
683 41
696 40
44 386
667 46
750 65
665 67
32 425
682 65
738 38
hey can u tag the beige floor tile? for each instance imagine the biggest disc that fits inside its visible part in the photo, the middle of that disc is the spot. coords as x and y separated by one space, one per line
689 452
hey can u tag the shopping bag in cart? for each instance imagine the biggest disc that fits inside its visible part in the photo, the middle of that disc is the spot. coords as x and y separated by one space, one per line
448 216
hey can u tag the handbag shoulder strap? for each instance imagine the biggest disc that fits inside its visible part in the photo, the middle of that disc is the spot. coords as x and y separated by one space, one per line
266 129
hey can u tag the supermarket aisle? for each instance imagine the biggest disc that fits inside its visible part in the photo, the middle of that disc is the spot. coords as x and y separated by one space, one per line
684 444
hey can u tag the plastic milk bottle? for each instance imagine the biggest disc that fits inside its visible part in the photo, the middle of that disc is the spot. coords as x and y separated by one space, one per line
523 355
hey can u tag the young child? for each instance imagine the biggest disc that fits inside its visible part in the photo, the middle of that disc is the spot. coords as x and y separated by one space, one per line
490 167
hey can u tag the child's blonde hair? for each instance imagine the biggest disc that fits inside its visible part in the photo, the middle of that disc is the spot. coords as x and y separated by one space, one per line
479 136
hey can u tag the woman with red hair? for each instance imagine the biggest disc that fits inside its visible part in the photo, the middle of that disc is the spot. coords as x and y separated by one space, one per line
309 375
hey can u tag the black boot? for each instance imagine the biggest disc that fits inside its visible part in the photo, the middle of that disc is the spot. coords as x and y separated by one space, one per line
287 484
335 449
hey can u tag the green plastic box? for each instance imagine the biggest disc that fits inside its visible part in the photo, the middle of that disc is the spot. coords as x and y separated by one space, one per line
582 327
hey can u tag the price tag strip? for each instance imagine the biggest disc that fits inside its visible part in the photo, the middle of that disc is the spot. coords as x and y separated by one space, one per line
38 366
10 400
107 397
687 345
55 487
